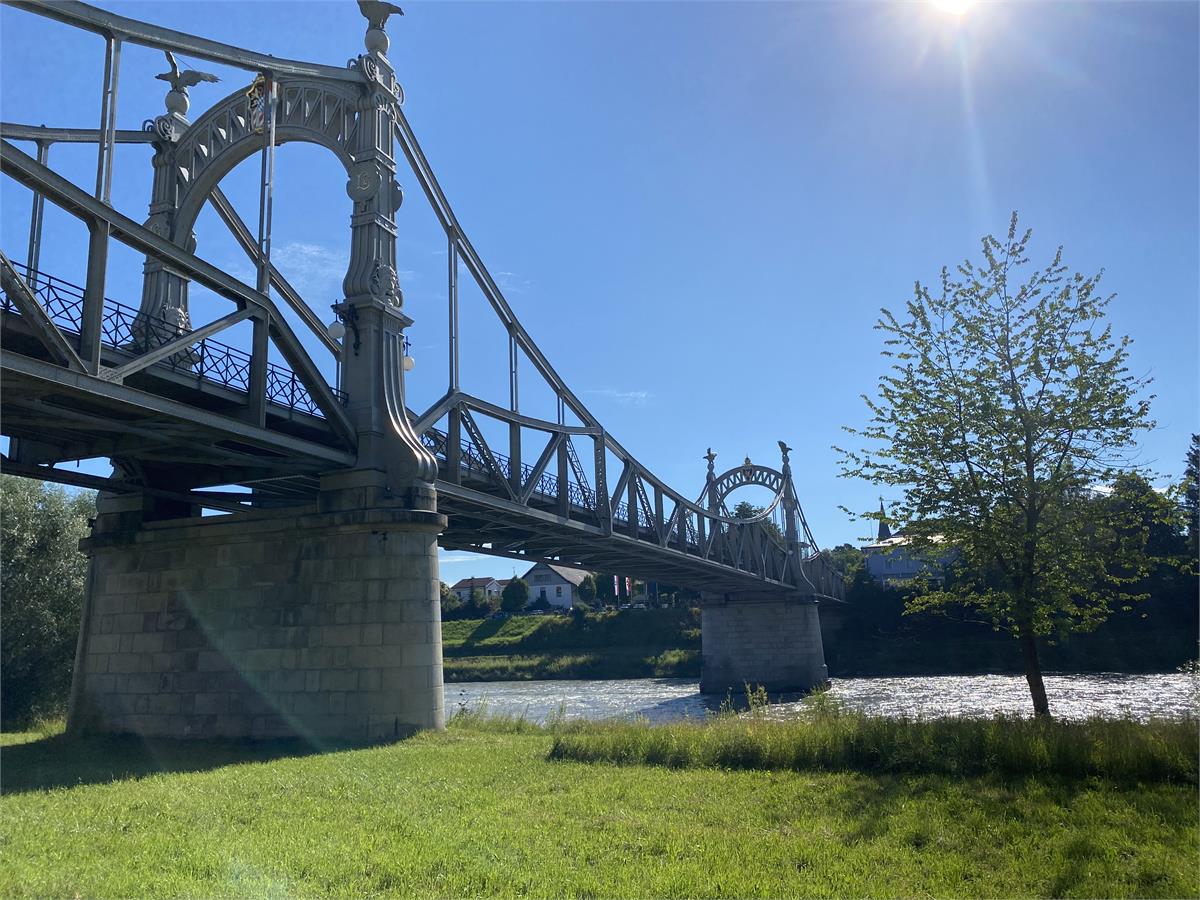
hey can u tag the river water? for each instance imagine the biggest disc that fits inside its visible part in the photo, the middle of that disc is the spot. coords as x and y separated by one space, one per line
665 699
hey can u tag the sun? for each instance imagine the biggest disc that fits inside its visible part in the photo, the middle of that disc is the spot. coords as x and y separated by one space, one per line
953 7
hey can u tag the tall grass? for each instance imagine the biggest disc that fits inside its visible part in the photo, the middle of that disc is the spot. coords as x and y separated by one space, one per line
831 738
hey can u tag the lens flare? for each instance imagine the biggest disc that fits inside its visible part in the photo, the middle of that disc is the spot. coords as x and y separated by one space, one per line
953 7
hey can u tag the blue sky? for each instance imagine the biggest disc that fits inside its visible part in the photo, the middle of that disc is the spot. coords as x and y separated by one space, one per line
697 209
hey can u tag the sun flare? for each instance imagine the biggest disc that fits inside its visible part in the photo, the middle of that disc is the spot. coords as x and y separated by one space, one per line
953 7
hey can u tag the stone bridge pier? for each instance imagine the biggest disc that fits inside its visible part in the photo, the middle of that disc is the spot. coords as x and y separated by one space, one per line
321 622
770 640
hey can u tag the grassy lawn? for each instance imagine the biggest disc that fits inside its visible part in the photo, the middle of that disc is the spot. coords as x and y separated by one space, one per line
482 810
629 644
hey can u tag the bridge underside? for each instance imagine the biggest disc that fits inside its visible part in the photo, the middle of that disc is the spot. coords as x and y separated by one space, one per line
58 415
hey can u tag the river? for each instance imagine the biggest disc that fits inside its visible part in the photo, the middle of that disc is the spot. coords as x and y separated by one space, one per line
1142 697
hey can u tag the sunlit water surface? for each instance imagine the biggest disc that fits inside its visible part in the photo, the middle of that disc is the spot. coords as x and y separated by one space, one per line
664 699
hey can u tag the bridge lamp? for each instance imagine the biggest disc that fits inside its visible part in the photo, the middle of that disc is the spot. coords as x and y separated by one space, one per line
336 331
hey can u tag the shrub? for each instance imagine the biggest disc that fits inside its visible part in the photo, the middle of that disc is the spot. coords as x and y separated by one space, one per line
41 594
515 595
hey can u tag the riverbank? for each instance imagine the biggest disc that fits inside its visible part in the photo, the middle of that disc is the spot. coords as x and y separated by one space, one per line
482 809
665 643
642 643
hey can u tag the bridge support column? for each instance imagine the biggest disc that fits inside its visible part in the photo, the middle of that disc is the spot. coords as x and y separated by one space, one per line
760 639
322 623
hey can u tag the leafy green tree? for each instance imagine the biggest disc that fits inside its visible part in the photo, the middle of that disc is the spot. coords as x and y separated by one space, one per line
1006 401
483 604
450 602
845 559
587 589
515 595
1150 521
1191 497
747 510
604 588
41 593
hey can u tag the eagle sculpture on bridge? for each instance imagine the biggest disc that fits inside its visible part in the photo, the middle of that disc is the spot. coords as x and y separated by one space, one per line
377 11
181 81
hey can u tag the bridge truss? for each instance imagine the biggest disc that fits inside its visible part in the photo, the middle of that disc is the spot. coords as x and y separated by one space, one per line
182 414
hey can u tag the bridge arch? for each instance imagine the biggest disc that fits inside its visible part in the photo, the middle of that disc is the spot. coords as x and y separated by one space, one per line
747 475
309 110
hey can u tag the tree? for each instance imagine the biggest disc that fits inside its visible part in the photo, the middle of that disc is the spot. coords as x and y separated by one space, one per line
747 510
450 602
845 559
515 595
41 593
604 588
587 589
1007 401
1191 497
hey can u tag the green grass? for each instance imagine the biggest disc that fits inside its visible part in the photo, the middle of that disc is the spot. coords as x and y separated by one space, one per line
482 810
628 644
829 738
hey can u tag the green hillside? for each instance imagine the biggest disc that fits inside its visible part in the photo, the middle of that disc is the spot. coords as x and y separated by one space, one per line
628 644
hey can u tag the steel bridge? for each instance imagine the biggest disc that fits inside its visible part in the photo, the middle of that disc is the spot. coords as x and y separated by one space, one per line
185 417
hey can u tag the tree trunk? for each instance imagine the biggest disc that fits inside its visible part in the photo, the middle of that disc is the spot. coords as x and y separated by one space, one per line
1033 672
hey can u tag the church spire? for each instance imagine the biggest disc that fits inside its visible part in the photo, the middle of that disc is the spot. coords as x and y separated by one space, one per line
884 531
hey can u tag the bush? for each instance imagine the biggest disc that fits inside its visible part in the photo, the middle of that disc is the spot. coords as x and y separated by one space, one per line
515 595
587 589
41 594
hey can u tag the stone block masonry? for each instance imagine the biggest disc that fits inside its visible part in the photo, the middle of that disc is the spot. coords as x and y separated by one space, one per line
323 625
770 641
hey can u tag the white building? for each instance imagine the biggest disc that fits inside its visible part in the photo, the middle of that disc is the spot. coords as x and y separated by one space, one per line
465 588
889 562
557 585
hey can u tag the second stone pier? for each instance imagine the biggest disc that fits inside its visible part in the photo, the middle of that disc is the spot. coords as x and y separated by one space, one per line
769 641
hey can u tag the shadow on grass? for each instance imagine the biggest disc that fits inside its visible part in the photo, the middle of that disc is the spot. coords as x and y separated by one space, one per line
64 761
484 630
1073 860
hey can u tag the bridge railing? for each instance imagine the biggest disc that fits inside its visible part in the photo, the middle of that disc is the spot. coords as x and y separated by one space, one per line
125 328
472 461
547 486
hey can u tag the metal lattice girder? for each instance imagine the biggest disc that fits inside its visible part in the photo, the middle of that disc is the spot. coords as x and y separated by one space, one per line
62 193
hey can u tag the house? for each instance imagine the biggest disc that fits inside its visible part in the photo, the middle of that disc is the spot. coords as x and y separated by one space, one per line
465 588
557 585
889 562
